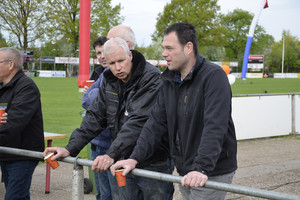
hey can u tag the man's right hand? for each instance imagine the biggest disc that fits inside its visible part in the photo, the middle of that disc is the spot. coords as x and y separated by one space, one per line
127 165
58 151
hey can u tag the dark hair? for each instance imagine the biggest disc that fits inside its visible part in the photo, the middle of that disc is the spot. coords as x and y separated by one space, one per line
100 41
185 32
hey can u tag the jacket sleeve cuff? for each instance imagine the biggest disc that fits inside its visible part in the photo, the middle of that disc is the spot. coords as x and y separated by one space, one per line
73 152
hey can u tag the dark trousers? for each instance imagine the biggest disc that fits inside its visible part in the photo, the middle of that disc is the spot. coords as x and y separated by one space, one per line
17 176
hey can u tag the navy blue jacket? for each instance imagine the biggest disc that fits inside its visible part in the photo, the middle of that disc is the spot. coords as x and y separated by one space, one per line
104 138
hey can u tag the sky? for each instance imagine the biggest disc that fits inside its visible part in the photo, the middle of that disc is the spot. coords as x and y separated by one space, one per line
281 15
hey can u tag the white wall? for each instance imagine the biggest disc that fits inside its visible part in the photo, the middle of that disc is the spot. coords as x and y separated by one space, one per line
297 109
264 116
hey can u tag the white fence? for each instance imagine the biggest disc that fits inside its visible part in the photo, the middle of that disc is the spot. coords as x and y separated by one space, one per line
266 115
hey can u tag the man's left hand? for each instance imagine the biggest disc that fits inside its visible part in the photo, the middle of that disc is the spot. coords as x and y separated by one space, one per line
102 163
194 179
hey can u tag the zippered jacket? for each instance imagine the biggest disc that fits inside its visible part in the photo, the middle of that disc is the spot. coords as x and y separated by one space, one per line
124 109
195 114
24 127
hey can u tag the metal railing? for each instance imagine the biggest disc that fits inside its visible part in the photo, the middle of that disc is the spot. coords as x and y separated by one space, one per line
77 187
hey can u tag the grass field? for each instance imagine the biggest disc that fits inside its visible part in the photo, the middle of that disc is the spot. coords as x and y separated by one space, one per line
61 101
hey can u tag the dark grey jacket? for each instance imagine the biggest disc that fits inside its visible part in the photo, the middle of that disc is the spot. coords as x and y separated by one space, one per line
124 109
24 127
195 114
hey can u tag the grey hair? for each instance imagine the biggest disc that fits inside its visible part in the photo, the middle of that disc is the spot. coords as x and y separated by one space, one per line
14 55
126 33
113 44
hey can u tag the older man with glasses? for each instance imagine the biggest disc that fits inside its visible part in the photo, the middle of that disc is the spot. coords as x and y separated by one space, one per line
21 125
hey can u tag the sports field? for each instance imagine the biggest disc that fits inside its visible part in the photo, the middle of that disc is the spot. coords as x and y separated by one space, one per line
61 101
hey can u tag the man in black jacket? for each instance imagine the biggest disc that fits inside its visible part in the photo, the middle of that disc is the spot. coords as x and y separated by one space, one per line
194 110
24 124
125 99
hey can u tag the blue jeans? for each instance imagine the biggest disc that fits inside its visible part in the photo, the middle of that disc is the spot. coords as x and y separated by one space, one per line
101 179
138 188
17 176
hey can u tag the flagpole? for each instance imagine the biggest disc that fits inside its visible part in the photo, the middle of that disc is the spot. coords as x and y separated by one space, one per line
263 4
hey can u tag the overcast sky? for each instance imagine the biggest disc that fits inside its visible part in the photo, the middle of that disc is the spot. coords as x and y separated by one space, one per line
281 15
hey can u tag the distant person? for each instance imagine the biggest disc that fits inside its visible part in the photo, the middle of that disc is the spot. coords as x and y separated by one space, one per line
125 99
24 124
193 110
101 143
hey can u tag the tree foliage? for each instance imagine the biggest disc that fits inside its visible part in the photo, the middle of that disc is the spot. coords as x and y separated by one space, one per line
2 41
65 17
237 24
291 54
24 19
203 14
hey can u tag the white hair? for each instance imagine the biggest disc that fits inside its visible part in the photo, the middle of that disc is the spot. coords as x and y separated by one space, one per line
14 55
113 44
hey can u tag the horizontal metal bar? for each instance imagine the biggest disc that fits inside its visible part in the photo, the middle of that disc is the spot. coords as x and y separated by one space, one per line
267 94
167 177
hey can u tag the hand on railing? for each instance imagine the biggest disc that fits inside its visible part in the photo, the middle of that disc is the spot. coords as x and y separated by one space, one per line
102 163
194 179
127 165
58 151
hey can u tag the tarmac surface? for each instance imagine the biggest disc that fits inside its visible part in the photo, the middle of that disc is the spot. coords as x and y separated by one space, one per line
272 164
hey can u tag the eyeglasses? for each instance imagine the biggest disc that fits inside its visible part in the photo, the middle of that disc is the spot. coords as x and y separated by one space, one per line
5 61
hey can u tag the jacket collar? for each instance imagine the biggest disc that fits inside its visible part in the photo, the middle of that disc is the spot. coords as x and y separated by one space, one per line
175 76
19 74
138 66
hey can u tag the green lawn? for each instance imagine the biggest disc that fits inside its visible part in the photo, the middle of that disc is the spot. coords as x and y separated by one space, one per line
61 101
260 85
61 104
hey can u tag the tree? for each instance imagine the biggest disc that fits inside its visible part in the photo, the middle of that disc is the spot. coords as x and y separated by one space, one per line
2 41
65 17
203 14
104 17
65 22
291 55
237 24
25 20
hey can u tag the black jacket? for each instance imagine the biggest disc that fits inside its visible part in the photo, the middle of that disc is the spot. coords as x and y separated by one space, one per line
96 73
123 108
24 127
196 116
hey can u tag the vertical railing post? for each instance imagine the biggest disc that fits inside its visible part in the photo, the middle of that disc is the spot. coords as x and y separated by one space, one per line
78 178
293 112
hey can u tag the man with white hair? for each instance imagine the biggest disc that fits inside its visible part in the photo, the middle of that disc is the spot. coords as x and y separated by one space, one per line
23 127
125 99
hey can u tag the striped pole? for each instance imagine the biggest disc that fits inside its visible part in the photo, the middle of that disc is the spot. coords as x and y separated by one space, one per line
263 4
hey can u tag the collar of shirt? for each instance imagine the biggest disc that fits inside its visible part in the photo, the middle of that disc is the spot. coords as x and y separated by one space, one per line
178 77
